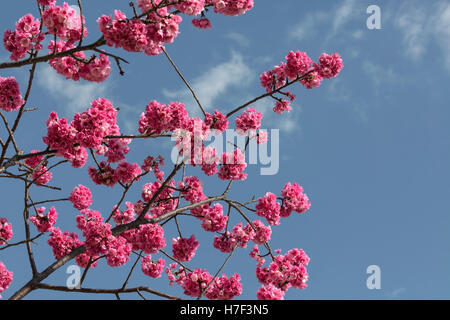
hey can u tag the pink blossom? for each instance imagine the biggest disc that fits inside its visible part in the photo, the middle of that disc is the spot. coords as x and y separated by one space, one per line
63 243
46 2
118 252
286 271
127 172
311 80
81 197
214 220
116 149
232 7
131 35
270 292
97 70
217 121
283 105
65 22
195 282
233 165
294 199
262 137
263 232
297 64
126 216
44 223
210 161
202 23
193 190
224 288
6 277
242 235
149 238
6 232
269 208
159 117
103 175
67 66
151 268
27 37
329 65
225 243
191 7
10 97
248 120
164 202
83 260
184 248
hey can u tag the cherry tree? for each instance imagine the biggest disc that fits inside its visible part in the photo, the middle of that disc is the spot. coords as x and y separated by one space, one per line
154 193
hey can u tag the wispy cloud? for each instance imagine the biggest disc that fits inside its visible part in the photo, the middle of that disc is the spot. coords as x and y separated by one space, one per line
344 12
239 38
68 94
422 23
213 83
380 74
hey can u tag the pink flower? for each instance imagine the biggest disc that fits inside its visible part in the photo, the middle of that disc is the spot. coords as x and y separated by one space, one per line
294 199
184 248
127 172
242 235
195 282
191 7
283 105
118 252
232 7
26 38
125 216
104 175
217 121
193 190
269 208
263 232
151 268
312 80
149 238
202 23
64 22
248 120
63 243
225 243
224 288
270 292
329 65
285 271
214 220
6 232
233 165
297 64
81 197
10 97
44 223
210 161
6 277
159 117
46 2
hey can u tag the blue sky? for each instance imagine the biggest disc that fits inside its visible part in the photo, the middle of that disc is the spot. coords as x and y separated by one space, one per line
371 147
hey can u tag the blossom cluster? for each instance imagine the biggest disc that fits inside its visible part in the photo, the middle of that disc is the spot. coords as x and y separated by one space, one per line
44 223
6 232
299 66
284 272
64 22
6 277
293 199
10 97
27 37
40 174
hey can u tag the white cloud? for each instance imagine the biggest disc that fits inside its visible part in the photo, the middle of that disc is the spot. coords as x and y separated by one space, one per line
380 74
239 38
420 24
70 95
337 18
213 83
